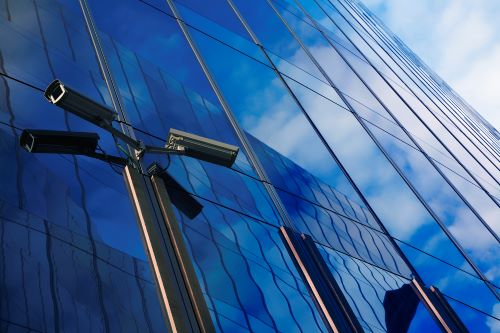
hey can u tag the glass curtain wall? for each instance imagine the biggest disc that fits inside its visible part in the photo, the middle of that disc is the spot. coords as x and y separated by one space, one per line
344 135
71 256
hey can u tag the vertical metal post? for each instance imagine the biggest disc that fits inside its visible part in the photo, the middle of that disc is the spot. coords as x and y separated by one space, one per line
180 297
439 308
193 289
332 305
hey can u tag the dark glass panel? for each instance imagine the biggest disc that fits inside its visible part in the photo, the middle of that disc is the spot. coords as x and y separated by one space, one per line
58 272
154 36
28 175
59 47
51 280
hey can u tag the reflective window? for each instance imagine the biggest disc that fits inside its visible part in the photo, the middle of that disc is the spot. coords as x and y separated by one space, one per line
66 221
248 279
381 301
344 234
311 91
266 111
166 88
451 280
382 186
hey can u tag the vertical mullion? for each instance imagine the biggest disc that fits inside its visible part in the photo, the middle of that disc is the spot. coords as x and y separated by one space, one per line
335 310
439 308
160 252
106 72
197 305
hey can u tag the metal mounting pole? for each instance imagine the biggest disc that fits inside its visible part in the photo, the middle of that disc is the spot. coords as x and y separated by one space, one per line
180 295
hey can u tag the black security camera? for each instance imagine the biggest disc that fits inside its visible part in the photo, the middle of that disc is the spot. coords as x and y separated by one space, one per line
63 142
78 104
59 142
202 148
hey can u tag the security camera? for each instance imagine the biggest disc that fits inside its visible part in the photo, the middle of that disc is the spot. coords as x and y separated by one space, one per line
59 142
201 148
78 104
62 142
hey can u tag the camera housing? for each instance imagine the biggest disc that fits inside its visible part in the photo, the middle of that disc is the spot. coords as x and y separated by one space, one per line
202 148
59 142
63 96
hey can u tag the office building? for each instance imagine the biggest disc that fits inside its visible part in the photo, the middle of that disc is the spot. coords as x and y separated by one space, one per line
365 195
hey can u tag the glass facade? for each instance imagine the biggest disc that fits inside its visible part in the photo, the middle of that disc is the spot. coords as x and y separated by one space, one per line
345 136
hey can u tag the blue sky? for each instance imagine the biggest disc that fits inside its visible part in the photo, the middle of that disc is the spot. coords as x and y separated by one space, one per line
459 39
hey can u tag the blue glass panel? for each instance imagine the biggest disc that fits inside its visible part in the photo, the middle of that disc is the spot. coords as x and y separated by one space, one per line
368 290
217 11
441 126
262 105
58 43
382 186
247 277
448 107
263 20
344 234
474 320
58 271
154 36
477 241
159 93
308 187
296 67
51 280
341 33
453 281
27 108
219 21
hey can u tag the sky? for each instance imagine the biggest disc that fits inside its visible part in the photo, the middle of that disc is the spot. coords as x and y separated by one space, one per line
458 39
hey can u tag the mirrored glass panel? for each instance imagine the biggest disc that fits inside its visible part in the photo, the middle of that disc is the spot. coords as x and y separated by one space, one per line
71 255
249 282
381 301
162 86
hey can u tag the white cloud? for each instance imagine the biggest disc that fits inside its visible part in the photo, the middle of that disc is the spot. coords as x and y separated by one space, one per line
493 324
459 39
